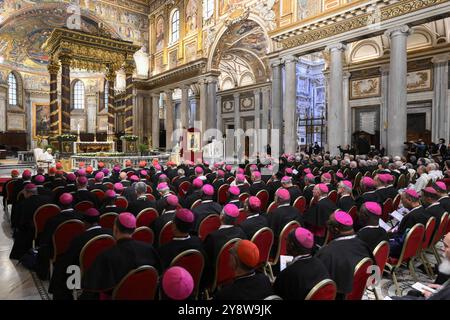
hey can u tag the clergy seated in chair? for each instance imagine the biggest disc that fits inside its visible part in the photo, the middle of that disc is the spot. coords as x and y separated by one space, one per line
217 183
444 199
45 250
368 187
18 186
294 190
129 192
310 182
256 219
214 241
411 201
42 191
433 208
318 214
257 183
181 178
183 223
167 214
108 204
326 179
109 268
177 284
206 207
342 254
23 216
442 290
233 197
383 191
58 282
371 232
196 193
123 179
98 183
141 202
345 201
282 215
305 270
247 284
83 194
242 184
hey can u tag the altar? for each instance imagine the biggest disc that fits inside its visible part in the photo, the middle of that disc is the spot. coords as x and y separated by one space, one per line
110 160
93 146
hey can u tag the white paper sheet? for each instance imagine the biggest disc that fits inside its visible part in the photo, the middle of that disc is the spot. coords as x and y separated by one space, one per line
284 260
422 288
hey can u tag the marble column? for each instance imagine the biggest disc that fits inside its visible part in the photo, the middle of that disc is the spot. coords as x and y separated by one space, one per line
148 118
384 101
290 109
202 110
111 78
129 68
277 102
65 93
397 100
184 107
169 119
53 69
347 110
335 109
257 135
219 114
441 110
238 137
212 104
155 120
264 139
3 104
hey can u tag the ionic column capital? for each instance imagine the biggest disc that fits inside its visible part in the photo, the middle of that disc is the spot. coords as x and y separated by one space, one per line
403 30
442 58
336 47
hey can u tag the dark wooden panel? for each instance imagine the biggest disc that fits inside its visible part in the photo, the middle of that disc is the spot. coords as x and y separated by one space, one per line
13 141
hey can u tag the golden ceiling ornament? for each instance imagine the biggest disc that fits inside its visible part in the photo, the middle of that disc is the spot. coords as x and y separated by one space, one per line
388 12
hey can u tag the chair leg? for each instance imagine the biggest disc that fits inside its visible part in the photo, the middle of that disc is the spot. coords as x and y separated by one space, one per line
436 254
394 278
412 270
427 264
272 278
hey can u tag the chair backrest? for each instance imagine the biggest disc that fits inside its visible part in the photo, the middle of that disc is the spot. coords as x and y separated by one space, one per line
175 179
41 216
222 193
429 229
209 224
146 217
224 272
166 234
263 196
93 248
138 284
332 195
194 262
381 254
149 189
196 204
183 188
401 182
353 212
121 202
442 230
388 207
107 220
10 189
243 196
230 179
64 235
150 197
282 239
357 181
359 280
396 202
263 239
324 290
300 204
130 174
100 194
272 206
109 185
412 243
144 234
83 206
242 216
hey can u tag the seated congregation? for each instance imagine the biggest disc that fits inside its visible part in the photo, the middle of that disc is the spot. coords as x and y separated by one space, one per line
196 231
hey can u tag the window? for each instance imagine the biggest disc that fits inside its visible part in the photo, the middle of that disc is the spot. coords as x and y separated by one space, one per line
78 95
175 27
106 95
208 8
12 90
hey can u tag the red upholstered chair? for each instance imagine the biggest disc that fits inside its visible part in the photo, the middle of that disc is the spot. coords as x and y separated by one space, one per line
100 194
440 232
396 202
332 195
130 173
109 185
166 234
411 246
429 230
149 189
324 290
55 190
9 194
242 216
300 204
353 212
360 279
222 193
138 284
263 196
243 196
121 202
83 206
93 248
230 180
144 234
146 217
401 182
272 207
107 220
175 179
224 273
281 245
388 207
183 188
41 216
196 204
194 262
150 197
263 239
381 255
209 224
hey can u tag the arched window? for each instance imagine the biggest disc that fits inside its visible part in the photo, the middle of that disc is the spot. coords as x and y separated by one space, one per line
78 95
208 8
175 26
12 90
106 95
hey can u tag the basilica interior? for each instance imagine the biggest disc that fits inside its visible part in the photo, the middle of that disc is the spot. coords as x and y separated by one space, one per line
112 80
